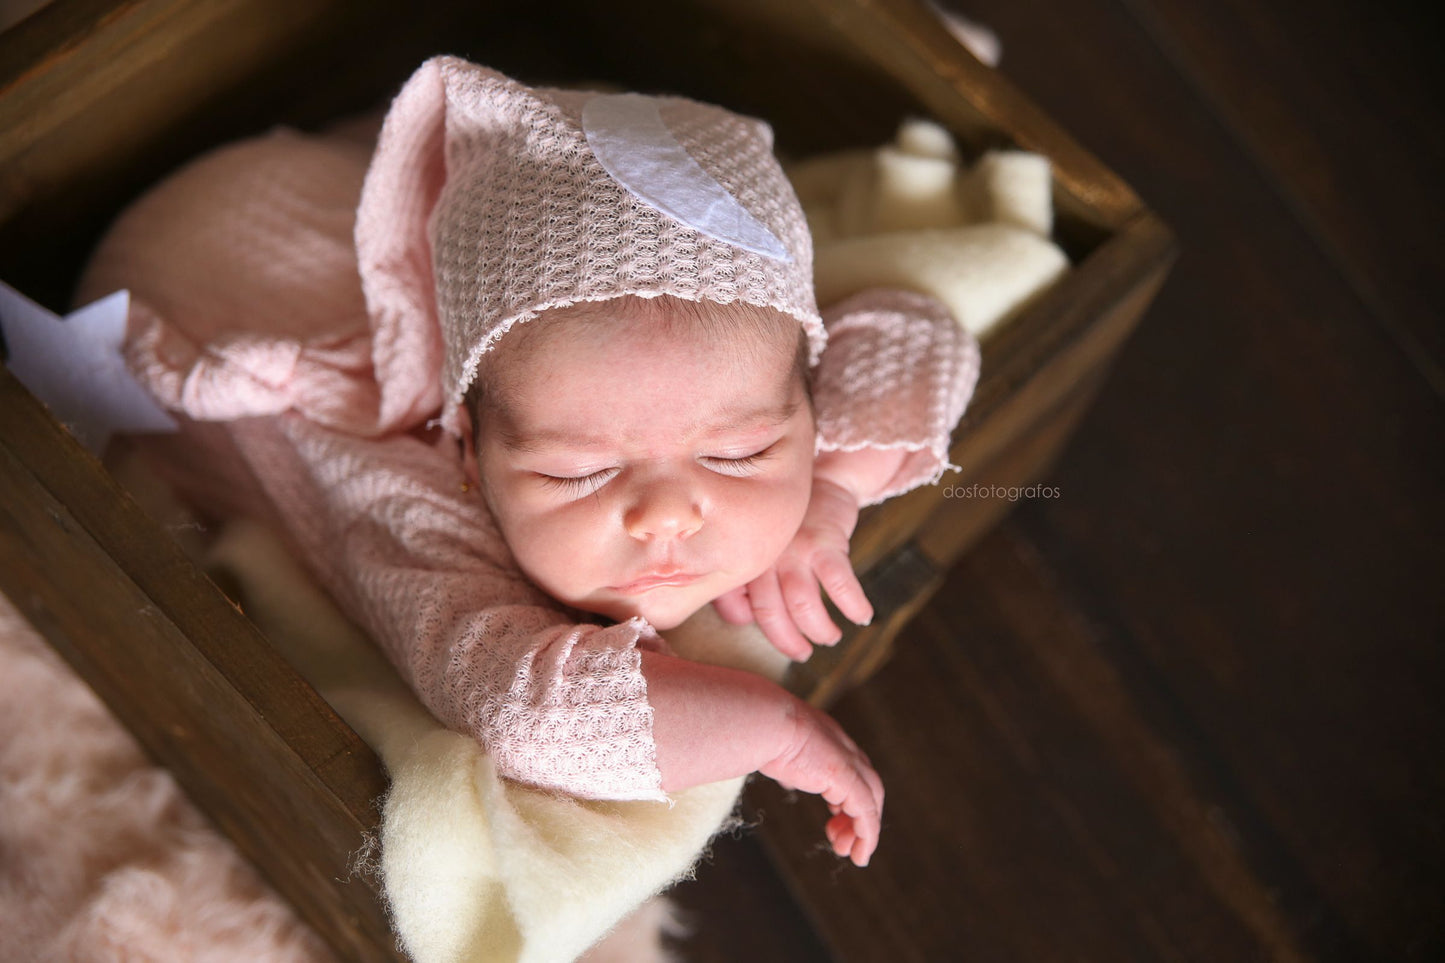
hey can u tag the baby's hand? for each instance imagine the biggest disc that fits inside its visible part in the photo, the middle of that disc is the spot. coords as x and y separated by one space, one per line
786 601
711 723
821 759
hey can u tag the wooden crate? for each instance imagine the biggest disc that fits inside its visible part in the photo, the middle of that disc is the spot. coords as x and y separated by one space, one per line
98 98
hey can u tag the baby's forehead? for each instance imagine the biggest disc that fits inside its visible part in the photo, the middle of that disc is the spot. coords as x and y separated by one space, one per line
726 336
592 385
538 430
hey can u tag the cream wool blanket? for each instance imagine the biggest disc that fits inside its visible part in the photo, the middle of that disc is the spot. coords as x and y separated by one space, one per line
477 868
911 215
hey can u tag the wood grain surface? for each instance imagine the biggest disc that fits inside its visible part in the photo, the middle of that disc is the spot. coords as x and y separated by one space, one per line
1191 709
203 692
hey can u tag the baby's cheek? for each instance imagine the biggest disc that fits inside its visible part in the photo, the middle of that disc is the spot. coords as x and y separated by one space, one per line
800 494
542 547
776 525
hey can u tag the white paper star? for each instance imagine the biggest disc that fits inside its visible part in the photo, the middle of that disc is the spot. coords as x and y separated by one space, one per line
74 365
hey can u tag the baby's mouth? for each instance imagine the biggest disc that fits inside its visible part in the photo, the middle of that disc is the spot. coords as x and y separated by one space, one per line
656 579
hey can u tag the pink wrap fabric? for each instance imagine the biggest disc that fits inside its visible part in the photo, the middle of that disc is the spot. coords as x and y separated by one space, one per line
309 387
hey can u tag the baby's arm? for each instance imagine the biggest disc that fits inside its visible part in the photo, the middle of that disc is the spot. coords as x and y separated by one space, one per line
711 723
889 389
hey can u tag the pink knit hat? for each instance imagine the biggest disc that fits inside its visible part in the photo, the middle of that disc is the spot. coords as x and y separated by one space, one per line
488 202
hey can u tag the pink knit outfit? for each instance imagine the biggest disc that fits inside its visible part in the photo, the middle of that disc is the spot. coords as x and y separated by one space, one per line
311 383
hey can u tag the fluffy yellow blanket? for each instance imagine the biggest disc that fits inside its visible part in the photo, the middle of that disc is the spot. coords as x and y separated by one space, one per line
476 868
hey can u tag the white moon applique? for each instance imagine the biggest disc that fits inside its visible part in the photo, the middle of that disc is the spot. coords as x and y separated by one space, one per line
632 142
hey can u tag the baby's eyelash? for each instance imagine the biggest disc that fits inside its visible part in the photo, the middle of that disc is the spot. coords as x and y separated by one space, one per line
738 467
577 487
580 486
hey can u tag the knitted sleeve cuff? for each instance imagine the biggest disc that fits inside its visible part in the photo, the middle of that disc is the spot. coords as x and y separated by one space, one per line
571 712
897 375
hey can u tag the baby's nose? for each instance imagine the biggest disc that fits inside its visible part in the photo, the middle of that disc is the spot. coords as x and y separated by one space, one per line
663 511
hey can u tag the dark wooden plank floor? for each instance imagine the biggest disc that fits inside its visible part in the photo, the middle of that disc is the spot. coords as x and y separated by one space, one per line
1193 708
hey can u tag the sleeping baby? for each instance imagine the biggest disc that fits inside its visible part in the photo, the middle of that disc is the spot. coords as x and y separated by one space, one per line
556 383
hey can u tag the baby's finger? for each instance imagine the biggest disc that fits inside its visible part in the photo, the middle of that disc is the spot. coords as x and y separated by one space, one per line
862 851
860 805
840 833
771 613
835 572
832 830
805 605
734 606
875 786
852 837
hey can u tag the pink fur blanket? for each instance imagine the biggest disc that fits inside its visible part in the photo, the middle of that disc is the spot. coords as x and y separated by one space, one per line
101 855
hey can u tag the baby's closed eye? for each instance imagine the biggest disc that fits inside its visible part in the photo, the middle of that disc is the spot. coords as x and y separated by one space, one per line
743 463
740 467
578 486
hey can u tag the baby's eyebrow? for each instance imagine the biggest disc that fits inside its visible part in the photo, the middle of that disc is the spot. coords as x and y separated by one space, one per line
539 440
730 420
544 441
757 416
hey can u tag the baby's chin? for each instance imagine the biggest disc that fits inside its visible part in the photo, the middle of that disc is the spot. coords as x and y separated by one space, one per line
662 613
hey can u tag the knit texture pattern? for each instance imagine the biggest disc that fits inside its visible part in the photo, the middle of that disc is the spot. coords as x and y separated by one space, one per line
520 216
266 326
391 530
895 352
338 454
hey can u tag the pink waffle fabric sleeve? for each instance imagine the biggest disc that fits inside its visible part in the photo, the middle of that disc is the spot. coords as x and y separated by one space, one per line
393 531
897 374
285 426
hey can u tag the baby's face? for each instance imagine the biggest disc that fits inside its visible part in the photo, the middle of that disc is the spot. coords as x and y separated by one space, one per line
638 469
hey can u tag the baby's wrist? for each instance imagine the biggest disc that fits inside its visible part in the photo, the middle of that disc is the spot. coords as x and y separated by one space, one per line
862 473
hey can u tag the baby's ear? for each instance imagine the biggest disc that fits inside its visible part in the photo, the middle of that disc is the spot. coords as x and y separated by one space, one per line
468 437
